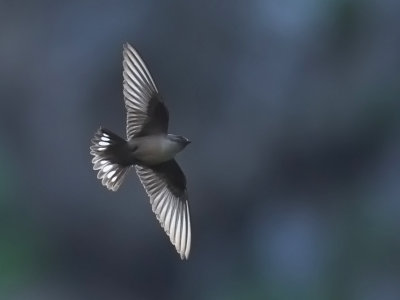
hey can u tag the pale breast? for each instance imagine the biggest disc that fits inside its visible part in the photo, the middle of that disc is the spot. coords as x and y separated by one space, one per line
154 149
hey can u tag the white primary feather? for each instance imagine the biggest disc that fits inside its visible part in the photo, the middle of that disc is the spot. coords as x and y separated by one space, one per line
139 88
171 211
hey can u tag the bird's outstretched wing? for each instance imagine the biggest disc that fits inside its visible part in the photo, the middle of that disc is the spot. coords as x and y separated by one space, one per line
165 184
146 113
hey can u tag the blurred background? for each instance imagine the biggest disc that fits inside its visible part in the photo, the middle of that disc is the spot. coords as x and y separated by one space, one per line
293 174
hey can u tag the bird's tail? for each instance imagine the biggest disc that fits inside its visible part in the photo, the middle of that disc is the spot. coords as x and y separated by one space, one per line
108 150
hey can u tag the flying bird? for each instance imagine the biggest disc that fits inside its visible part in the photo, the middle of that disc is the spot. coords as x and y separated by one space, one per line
150 149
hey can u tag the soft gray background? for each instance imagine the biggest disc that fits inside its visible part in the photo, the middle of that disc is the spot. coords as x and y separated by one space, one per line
293 173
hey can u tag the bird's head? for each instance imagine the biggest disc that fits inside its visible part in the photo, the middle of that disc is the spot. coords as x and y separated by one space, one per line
180 139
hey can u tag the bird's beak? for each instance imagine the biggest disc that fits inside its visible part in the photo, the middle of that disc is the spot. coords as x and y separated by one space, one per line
188 142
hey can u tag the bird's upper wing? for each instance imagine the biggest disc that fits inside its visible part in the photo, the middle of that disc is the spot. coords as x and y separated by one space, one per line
166 186
146 113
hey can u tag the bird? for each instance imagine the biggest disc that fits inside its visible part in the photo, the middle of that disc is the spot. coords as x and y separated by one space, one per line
150 149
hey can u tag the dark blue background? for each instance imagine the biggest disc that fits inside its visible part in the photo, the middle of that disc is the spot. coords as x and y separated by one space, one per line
293 173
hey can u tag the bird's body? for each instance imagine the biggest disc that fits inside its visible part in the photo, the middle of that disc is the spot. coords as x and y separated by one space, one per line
154 149
150 149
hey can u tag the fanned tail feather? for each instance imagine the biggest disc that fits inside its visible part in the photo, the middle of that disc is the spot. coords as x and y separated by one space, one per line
105 148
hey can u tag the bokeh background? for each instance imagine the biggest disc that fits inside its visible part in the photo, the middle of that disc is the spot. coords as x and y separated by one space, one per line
293 174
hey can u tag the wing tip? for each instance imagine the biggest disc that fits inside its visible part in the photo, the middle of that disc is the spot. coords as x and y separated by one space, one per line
126 45
184 257
182 243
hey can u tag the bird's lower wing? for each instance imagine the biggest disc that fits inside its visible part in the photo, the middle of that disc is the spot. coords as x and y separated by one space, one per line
165 184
